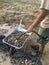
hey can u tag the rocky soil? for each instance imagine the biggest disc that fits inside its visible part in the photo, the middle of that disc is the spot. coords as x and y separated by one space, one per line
10 15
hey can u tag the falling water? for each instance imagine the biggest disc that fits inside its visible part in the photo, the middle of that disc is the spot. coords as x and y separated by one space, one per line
20 25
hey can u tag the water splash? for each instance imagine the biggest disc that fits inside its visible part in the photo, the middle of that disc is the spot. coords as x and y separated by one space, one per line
20 25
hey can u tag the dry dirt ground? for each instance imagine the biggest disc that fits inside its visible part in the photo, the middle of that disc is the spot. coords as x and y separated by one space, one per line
12 14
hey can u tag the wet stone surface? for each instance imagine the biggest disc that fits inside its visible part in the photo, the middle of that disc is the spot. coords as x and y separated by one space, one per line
6 59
